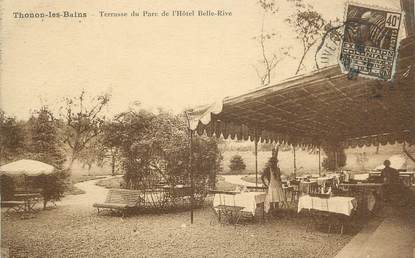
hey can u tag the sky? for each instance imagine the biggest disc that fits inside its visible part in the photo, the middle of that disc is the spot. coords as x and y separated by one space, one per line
169 62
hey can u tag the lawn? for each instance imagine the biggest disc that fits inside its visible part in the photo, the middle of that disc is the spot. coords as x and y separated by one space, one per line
305 161
110 183
252 179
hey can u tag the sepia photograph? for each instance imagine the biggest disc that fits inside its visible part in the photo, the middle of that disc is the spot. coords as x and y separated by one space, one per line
188 128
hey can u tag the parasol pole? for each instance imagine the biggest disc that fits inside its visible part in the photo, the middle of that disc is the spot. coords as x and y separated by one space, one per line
256 157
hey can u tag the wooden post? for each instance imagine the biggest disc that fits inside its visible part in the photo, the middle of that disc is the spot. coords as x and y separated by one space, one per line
191 175
190 167
295 162
256 157
335 159
319 160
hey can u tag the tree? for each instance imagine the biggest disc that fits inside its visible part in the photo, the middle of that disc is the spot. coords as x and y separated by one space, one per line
111 142
11 138
336 156
84 122
269 59
93 153
44 143
237 163
309 26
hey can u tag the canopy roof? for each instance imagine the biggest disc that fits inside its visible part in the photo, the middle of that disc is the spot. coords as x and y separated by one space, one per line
323 106
26 167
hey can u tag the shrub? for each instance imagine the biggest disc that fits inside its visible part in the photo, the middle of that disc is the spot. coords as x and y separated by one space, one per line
237 163
329 162
7 187
52 186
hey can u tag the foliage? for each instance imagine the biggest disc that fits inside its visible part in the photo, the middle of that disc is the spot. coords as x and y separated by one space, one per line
84 122
333 152
269 58
11 138
111 143
155 148
7 187
237 163
93 153
44 144
53 186
309 26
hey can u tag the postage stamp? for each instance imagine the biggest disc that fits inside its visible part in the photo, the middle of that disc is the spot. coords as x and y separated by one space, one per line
370 42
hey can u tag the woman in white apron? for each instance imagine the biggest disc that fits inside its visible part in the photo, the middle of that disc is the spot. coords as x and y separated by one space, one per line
275 194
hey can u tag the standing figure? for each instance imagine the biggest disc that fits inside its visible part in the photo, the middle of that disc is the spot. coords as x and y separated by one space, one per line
271 178
392 184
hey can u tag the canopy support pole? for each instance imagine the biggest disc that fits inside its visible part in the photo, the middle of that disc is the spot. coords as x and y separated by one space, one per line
335 159
191 175
319 160
191 167
295 162
256 157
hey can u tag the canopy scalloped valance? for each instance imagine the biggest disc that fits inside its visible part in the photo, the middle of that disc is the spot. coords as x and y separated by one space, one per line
235 131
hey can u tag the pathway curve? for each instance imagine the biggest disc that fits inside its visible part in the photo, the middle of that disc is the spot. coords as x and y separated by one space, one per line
237 180
93 194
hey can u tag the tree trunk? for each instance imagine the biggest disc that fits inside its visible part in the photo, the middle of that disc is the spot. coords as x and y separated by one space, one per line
301 62
113 165
305 51
45 201
89 169
69 168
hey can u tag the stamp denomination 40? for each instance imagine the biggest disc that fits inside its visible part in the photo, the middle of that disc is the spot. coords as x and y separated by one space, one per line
370 42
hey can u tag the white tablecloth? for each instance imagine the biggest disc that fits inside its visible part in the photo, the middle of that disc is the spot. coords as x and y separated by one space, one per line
338 204
248 200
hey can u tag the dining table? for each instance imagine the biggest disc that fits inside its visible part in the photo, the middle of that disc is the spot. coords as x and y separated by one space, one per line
330 210
334 204
368 195
233 204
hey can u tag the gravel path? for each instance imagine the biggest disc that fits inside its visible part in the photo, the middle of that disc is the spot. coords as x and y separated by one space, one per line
92 194
236 180
73 229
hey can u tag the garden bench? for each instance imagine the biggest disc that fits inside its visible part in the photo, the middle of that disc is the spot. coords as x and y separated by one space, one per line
120 200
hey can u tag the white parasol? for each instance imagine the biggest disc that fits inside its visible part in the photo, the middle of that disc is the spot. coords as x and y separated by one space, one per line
26 167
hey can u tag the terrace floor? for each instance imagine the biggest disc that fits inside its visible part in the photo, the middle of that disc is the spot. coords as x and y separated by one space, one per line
391 235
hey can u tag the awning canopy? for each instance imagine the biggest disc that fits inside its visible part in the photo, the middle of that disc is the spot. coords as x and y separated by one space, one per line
26 167
323 106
